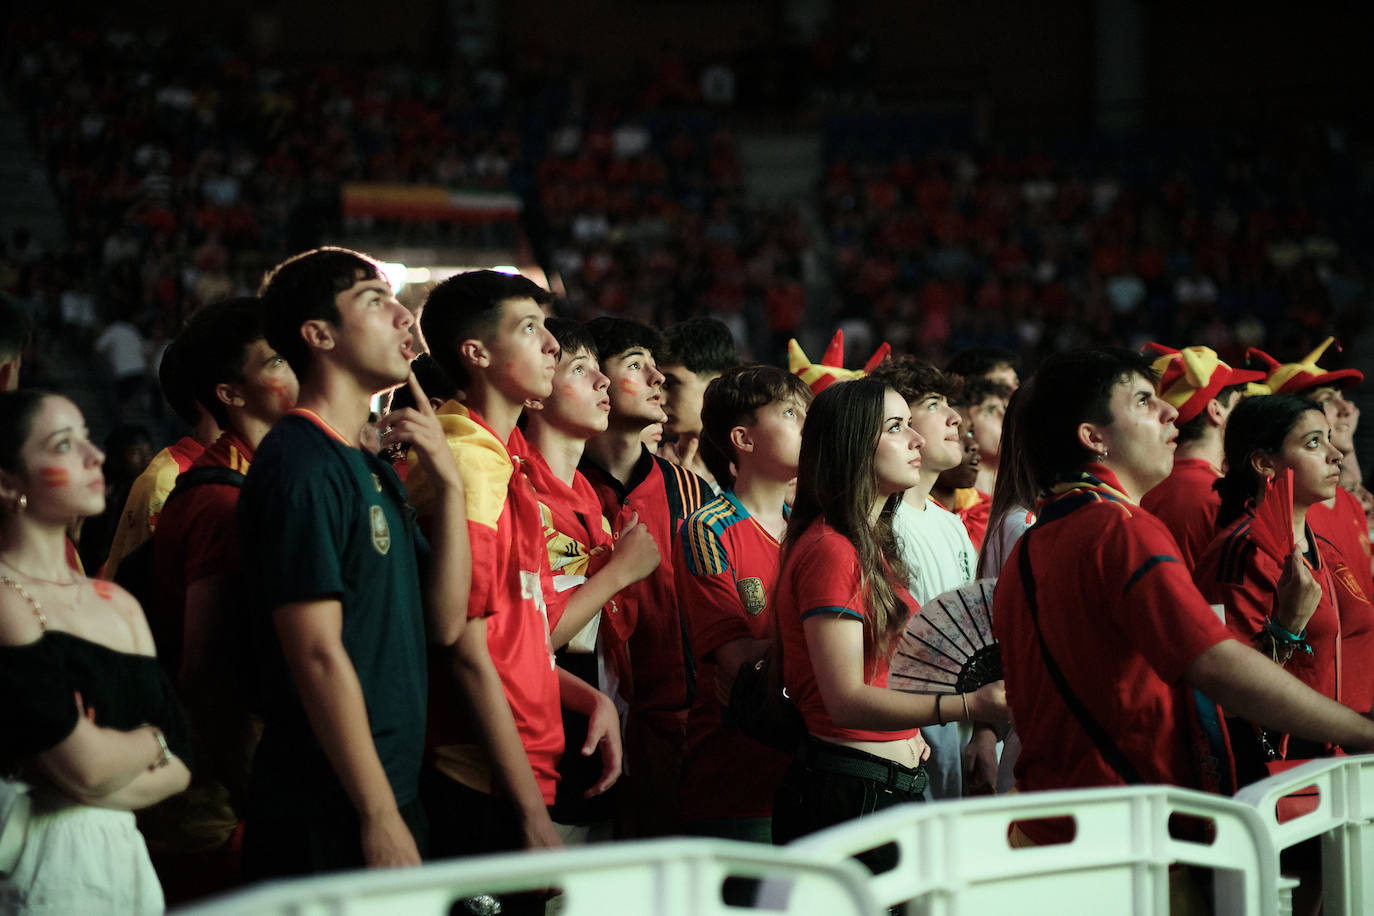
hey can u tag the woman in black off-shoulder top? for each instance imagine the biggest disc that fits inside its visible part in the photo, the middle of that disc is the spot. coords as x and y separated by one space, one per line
91 729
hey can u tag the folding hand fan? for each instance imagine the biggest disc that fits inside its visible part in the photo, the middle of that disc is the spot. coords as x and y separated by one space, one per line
948 647
1272 528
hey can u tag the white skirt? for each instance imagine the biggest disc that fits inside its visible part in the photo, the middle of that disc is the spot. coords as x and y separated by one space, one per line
80 859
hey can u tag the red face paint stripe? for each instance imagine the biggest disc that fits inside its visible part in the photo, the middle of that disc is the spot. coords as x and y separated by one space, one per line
53 477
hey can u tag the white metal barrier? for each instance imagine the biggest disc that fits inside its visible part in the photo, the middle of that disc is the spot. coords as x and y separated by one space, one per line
1344 819
955 857
650 878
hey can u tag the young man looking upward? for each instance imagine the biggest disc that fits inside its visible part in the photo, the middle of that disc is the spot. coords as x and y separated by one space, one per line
935 546
632 484
726 569
491 783
1204 390
196 620
337 608
696 351
954 489
589 569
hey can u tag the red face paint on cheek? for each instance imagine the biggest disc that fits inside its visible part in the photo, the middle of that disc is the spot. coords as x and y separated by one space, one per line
629 386
285 400
53 477
102 588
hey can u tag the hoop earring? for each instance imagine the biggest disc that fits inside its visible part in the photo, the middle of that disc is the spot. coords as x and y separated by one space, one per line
21 503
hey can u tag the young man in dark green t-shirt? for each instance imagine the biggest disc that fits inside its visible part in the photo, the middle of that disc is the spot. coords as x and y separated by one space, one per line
335 557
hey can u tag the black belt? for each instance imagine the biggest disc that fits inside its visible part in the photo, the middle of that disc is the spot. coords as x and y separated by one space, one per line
889 774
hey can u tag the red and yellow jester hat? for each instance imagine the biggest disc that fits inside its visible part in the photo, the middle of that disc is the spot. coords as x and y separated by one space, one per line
831 367
1191 377
1294 378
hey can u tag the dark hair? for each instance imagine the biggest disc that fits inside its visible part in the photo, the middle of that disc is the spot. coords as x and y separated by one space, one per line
1258 424
172 378
433 381
303 288
914 378
836 482
1071 388
731 400
701 345
216 342
1015 488
14 328
571 336
467 306
616 335
978 389
17 410
978 361
1194 428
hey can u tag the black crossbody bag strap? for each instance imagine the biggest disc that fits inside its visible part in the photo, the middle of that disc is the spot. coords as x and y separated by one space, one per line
1105 745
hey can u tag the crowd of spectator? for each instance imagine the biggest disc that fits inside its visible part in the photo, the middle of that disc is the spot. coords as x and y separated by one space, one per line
183 169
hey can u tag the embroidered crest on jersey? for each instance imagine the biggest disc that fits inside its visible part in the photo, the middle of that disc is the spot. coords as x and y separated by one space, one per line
751 595
1342 574
381 531
377 482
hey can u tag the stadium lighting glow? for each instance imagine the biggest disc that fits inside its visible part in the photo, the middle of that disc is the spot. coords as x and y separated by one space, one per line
396 275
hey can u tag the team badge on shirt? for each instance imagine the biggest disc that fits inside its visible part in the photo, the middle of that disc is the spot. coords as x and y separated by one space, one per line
381 531
751 595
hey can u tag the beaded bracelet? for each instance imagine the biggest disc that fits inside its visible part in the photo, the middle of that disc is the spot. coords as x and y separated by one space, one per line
1280 644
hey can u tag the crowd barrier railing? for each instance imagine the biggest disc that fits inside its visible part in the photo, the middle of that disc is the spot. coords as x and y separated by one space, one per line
1343 818
956 858
675 877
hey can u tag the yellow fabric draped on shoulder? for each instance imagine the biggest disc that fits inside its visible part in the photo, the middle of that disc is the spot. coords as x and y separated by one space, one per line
483 463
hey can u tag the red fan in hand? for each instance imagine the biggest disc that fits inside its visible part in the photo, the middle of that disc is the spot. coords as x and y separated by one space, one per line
948 647
1272 528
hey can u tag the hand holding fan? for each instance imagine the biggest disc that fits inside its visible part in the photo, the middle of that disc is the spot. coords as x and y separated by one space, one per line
949 647
1272 528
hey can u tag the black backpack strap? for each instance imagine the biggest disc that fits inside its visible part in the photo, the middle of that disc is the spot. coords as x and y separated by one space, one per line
197 476
1105 745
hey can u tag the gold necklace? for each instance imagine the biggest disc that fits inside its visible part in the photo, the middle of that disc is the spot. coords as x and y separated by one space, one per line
53 582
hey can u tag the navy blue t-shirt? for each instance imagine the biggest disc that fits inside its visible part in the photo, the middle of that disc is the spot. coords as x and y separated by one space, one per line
320 519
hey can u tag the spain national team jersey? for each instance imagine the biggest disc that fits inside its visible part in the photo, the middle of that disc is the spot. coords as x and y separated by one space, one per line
509 581
823 577
1123 620
726 580
662 675
1234 572
1187 505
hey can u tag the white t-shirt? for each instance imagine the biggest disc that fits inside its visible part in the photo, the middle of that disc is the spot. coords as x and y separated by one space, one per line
939 556
936 549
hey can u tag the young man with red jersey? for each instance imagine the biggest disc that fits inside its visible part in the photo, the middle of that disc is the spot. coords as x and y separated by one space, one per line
659 678
1100 623
490 784
143 506
197 620
1204 391
696 351
726 572
589 568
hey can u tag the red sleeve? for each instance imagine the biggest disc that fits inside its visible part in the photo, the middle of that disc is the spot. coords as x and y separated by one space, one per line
485 543
827 578
706 591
